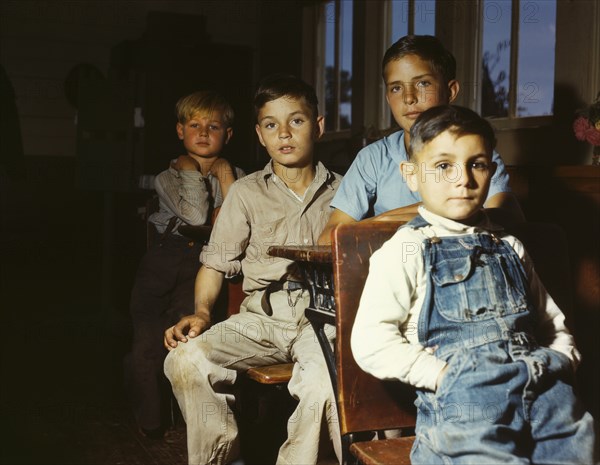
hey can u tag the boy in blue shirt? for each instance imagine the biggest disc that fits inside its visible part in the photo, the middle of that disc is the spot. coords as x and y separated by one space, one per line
419 73
453 306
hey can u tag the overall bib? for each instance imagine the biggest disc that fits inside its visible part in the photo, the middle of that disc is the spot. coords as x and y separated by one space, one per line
503 398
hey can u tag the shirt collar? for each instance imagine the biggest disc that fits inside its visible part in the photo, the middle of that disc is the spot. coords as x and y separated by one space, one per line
456 227
322 174
397 150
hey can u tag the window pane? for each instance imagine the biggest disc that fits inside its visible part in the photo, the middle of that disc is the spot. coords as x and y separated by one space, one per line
346 64
496 57
399 19
329 64
537 37
425 17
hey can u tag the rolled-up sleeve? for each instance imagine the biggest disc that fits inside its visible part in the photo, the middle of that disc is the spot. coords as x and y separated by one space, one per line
229 237
499 182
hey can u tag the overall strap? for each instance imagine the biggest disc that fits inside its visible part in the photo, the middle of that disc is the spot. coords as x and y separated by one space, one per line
416 223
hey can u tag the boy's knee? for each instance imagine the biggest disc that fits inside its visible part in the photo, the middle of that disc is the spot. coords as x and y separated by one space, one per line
185 360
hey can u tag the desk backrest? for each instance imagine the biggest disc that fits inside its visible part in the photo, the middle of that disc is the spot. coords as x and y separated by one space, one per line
365 403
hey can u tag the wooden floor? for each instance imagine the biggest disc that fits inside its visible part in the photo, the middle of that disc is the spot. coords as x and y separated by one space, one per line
64 292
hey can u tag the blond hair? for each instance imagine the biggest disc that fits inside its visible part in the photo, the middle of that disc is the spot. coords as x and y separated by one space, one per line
205 102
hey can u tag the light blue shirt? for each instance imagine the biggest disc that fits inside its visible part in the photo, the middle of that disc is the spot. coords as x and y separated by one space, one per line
374 185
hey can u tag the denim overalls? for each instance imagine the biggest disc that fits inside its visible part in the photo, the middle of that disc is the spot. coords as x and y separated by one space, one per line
503 398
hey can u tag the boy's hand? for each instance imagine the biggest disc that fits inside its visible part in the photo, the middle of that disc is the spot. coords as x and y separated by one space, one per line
440 377
188 326
221 169
185 163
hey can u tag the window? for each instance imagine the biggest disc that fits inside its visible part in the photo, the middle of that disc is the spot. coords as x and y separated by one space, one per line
412 17
517 74
337 53
504 49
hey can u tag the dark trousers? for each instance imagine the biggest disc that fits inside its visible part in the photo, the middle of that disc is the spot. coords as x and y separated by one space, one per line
162 293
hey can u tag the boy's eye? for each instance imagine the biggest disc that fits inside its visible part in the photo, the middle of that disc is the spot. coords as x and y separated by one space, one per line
479 165
269 125
214 127
423 83
395 89
297 121
443 166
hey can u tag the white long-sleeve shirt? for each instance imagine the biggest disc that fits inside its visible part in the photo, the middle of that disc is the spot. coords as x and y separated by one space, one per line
384 338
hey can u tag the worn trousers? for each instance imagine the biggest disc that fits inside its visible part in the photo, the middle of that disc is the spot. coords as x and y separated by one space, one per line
203 370
162 293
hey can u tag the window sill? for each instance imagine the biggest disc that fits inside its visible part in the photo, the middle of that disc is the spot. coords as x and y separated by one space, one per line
508 124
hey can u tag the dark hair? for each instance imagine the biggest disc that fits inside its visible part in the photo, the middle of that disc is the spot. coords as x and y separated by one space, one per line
284 85
458 120
428 48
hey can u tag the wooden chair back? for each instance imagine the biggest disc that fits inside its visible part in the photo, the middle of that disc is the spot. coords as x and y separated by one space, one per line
365 403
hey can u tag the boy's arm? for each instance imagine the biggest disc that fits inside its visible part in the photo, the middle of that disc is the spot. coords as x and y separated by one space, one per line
223 171
339 217
207 288
406 213
183 191
336 217
355 193
384 342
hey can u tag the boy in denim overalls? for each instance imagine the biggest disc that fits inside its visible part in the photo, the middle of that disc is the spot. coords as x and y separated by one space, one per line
453 306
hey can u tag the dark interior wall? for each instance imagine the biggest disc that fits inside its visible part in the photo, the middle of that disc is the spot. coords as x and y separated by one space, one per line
70 240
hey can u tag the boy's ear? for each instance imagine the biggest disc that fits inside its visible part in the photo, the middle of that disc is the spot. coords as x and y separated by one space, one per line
228 135
257 127
409 172
179 129
320 126
453 89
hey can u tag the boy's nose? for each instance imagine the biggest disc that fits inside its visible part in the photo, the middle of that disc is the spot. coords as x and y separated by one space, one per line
466 176
284 133
410 95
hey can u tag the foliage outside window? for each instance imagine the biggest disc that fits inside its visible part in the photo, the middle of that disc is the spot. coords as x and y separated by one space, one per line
518 44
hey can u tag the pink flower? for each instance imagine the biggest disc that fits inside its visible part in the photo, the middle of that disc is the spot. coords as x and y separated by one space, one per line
586 131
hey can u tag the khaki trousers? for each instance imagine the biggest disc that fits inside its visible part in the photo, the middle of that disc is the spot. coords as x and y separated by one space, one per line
203 370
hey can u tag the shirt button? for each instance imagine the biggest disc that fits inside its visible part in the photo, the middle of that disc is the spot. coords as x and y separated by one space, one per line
306 241
458 277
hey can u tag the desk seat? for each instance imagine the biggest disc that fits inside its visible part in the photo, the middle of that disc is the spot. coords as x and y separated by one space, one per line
395 450
271 374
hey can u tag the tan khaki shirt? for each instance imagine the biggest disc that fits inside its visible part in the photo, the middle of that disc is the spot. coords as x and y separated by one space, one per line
260 211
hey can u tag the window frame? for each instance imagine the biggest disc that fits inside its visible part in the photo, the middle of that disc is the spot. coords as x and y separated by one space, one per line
372 29
320 67
512 121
